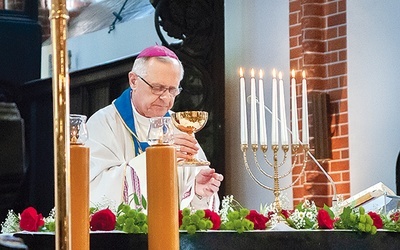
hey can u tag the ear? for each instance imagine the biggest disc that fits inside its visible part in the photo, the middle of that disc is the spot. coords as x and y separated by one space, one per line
132 80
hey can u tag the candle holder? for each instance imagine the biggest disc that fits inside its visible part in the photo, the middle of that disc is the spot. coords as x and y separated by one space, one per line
78 130
275 164
278 146
79 183
160 131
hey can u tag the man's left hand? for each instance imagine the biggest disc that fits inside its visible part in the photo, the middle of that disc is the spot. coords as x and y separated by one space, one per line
207 182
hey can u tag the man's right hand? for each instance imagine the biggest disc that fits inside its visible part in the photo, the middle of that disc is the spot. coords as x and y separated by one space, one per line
186 146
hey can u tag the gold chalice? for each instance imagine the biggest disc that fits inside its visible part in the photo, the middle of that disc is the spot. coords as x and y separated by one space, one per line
190 122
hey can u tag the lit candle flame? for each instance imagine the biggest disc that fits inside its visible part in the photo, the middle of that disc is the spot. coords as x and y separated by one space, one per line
241 72
280 75
293 74
261 74
304 74
274 73
252 73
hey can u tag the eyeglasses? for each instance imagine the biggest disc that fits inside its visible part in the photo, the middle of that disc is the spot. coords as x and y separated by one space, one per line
159 89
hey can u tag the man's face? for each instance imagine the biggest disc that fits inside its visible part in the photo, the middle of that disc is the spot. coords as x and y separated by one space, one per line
159 73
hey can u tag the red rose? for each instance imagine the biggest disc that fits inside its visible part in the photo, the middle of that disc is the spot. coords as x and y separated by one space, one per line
103 220
285 213
395 217
31 220
214 217
258 219
378 223
180 215
324 220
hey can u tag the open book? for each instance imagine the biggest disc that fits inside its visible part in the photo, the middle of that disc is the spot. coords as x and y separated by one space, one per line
374 198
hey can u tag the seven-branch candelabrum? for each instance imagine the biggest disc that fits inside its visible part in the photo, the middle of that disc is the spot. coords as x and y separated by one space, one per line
277 146
275 163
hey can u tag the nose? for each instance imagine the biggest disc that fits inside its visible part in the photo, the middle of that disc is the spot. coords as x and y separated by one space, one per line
165 94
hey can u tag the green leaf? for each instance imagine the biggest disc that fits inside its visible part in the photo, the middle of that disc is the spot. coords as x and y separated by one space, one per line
136 199
345 216
93 210
120 207
299 206
330 212
309 223
144 202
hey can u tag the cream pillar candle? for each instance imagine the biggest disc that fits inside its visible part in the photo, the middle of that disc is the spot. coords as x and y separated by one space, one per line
80 216
162 197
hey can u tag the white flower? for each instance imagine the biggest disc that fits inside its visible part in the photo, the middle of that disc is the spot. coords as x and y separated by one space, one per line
310 215
11 224
105 203
225 207
305 216
52 216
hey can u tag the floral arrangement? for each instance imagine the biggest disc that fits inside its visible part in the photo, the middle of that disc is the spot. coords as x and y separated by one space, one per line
231 216
304 216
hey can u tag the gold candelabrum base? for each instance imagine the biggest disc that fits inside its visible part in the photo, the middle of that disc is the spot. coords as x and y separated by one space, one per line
275 164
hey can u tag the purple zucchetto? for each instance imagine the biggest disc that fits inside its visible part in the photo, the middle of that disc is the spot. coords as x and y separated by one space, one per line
157 50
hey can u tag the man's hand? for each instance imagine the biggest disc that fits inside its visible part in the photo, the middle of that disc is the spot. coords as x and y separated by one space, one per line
207 182
186 146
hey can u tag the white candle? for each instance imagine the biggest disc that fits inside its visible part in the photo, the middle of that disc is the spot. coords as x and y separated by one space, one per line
274 125
306 137
263 128
243 113
253 114
295 126
282 109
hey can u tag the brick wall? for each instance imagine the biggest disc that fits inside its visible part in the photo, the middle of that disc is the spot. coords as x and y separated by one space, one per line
318 46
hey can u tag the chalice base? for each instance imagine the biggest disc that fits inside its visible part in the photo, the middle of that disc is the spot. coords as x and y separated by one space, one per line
193 162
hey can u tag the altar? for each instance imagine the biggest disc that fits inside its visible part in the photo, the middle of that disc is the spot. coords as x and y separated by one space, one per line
219 240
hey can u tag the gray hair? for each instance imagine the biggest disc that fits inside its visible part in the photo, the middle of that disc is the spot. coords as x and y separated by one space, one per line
140 65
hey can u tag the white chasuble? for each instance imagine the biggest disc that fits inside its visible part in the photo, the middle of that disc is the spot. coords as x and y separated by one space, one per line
115 162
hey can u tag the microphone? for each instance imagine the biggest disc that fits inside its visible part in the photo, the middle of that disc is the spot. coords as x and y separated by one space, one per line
249 101
333 185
